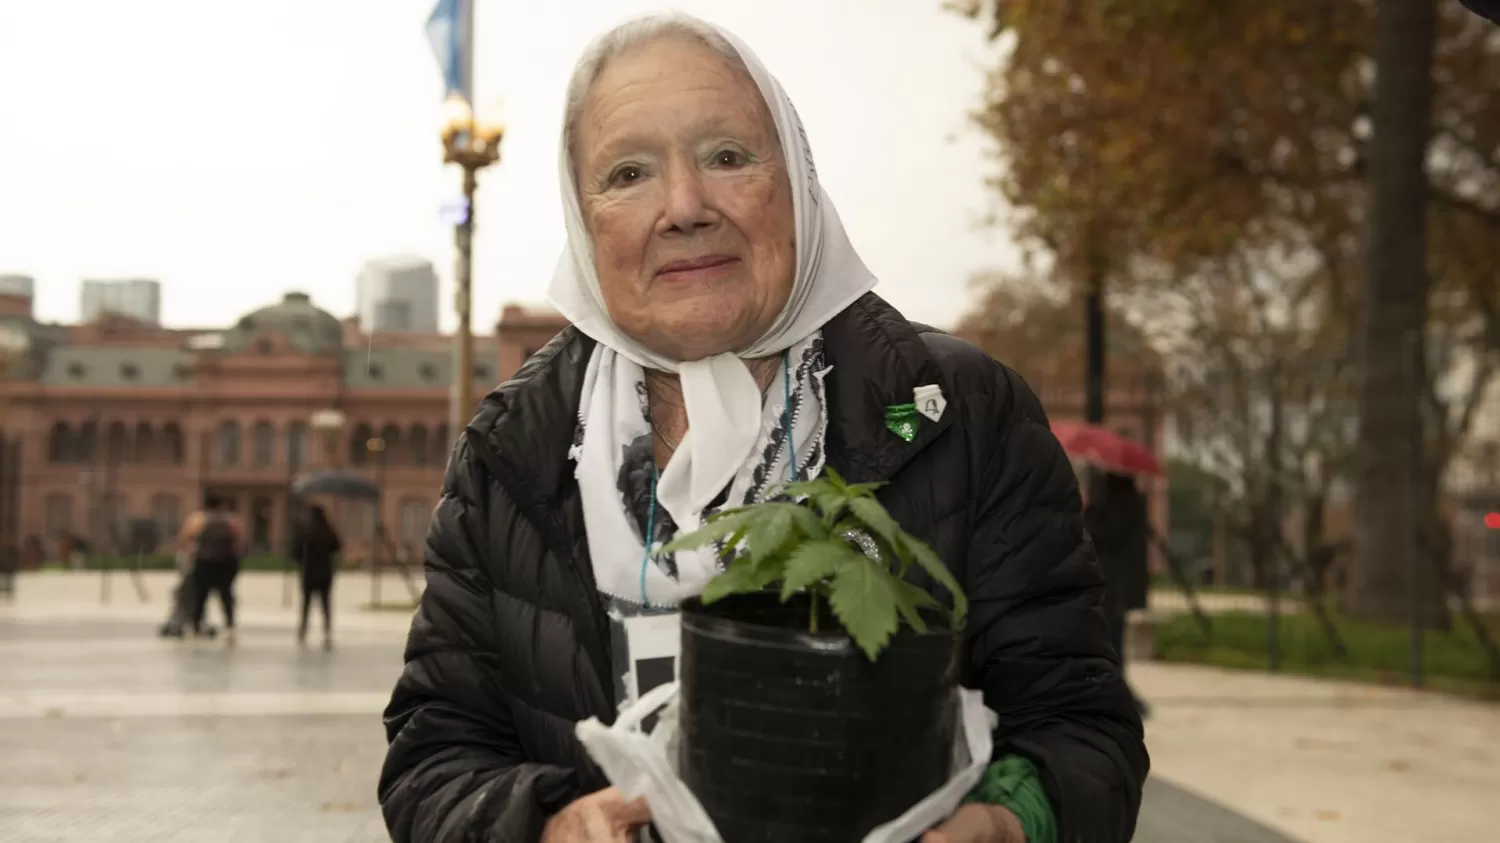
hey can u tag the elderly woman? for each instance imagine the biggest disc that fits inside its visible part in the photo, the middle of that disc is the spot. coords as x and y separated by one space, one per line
724 340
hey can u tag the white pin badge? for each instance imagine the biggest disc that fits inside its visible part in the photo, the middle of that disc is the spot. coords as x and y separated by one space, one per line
930 401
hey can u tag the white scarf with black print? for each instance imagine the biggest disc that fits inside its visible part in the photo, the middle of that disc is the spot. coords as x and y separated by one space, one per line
613 449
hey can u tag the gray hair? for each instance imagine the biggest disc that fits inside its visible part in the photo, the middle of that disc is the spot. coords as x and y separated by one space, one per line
626 37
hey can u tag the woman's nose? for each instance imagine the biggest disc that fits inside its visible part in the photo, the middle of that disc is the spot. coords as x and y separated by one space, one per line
688 208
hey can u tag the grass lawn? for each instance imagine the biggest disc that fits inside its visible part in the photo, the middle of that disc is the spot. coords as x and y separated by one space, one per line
1453 661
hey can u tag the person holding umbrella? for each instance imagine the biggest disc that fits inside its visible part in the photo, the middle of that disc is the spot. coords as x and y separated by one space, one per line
315 546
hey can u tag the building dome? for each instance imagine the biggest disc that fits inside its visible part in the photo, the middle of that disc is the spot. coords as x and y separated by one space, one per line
307 327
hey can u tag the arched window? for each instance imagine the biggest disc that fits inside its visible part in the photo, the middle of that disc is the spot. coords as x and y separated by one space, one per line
440 445
229 444
296 446
416 442
263 444
359 444
87 443
145 444
60 444
390 437
171 435
117 442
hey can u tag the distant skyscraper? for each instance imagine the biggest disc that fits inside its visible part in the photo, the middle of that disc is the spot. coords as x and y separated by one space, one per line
18 285
137 298
397 294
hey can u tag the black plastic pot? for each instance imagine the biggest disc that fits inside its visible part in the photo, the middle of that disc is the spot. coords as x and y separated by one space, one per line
788 737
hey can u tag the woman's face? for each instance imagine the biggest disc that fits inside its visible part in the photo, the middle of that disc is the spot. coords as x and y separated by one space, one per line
684 192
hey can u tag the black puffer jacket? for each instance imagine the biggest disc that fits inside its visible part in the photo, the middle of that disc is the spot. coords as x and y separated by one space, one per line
511 647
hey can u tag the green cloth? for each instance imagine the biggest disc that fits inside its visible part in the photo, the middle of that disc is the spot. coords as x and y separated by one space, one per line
1014 783
903 420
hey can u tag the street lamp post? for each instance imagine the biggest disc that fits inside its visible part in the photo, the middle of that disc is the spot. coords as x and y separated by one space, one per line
472 145
376 448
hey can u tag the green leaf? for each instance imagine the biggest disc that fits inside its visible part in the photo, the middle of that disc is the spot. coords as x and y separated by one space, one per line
808 522
875 519
834 479
719 525
769 534
811 563
836 483
731 544
910 599
741 577
863 599
825 498
928 561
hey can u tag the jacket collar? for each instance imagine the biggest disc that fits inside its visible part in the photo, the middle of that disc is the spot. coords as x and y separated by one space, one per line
528 422
878 359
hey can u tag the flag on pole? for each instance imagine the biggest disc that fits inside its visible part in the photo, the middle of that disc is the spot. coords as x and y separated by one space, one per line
450 33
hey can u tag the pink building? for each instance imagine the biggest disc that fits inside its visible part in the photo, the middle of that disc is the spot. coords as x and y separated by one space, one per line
115 420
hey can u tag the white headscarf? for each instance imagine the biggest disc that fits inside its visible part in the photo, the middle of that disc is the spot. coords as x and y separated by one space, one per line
722 399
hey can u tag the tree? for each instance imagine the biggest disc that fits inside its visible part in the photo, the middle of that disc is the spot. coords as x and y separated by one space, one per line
1260 389
1031 323
1258 382
1180 138
1392 340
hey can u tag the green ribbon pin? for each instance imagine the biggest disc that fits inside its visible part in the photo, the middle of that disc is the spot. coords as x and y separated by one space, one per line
903 420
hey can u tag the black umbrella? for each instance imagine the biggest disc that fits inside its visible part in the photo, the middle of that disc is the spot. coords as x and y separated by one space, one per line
336 484
1485 8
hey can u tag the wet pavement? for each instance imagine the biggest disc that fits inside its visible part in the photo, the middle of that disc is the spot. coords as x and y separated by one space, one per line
110 733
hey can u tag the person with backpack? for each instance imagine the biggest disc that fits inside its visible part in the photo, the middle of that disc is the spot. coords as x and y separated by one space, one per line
315 547
216 564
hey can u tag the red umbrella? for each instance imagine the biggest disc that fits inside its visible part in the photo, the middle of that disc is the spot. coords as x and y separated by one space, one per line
1105 448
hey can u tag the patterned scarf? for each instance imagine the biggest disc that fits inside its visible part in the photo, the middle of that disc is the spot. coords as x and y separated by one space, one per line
613 447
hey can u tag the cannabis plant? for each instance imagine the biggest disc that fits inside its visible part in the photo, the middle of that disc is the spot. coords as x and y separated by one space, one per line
810 542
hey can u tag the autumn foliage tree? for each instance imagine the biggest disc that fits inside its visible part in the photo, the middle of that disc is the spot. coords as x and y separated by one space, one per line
1032 324
1174 140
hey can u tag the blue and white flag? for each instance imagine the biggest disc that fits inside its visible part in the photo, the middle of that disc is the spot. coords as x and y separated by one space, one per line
450 33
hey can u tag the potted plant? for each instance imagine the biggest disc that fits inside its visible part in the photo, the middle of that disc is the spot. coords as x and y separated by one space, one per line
817 685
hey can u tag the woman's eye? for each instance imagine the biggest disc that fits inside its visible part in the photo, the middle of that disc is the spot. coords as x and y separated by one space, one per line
628 174
730 158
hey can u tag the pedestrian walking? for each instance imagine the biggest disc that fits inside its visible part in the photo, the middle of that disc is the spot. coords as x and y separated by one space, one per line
1117 519
216 565
316 545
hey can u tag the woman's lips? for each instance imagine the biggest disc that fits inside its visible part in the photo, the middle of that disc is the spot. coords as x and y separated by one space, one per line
697 269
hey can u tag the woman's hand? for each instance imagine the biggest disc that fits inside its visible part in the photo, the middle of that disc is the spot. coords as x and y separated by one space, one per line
978 824
600 817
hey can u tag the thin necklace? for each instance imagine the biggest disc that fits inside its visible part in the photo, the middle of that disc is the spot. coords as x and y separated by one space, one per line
672 446
665 440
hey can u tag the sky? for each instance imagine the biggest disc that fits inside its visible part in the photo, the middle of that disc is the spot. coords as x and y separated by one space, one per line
236 150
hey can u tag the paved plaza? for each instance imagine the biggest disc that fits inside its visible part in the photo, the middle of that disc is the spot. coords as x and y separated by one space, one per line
110 733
